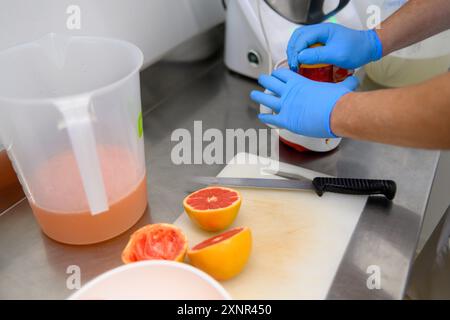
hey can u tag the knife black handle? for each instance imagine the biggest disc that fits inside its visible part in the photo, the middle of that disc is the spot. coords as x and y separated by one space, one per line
369 187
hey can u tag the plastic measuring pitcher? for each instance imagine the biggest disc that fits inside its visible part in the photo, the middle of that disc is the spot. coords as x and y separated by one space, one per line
70 120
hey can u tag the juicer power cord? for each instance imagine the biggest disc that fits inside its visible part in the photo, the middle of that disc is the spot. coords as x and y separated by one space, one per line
266 38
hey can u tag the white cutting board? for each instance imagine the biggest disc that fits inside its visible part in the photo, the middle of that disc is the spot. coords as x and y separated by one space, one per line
299 238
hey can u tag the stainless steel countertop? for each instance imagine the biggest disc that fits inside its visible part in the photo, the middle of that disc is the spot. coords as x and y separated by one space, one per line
174 95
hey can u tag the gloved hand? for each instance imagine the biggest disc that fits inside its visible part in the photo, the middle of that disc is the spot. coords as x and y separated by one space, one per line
343 47
301 105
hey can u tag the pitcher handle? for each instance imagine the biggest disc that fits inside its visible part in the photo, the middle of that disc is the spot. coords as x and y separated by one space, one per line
78 122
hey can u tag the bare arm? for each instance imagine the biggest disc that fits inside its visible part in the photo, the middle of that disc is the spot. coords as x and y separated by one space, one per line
415 21
416 116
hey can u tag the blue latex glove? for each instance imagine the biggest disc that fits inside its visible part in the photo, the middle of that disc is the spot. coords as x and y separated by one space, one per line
301 105
343 47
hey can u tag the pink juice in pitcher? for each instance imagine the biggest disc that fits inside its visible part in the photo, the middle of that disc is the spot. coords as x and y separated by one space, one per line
60 203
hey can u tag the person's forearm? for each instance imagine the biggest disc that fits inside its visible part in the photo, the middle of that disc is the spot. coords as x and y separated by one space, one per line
415 21
416 116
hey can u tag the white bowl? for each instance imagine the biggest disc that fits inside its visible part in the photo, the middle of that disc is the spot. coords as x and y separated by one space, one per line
152 280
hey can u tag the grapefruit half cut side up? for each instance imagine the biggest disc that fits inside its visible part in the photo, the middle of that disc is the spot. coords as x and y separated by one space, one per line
213 208
223 256
159 241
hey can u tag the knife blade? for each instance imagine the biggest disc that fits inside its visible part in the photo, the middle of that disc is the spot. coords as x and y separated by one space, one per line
256 183
287 175
320 185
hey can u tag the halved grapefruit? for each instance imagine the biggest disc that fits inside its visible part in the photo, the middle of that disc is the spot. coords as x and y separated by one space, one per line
213 208
225 255
160 241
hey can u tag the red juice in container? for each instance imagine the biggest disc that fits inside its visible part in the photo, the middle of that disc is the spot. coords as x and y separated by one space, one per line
317 72
324 72
340 74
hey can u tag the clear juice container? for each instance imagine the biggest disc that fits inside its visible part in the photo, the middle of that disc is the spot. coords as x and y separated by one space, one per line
70 120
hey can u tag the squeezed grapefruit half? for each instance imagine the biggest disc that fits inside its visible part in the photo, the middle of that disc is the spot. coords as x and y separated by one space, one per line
160 241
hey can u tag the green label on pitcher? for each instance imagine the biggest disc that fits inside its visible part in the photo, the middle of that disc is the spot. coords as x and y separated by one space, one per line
140 125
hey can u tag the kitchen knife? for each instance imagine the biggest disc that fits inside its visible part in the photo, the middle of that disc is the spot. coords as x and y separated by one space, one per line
320 185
